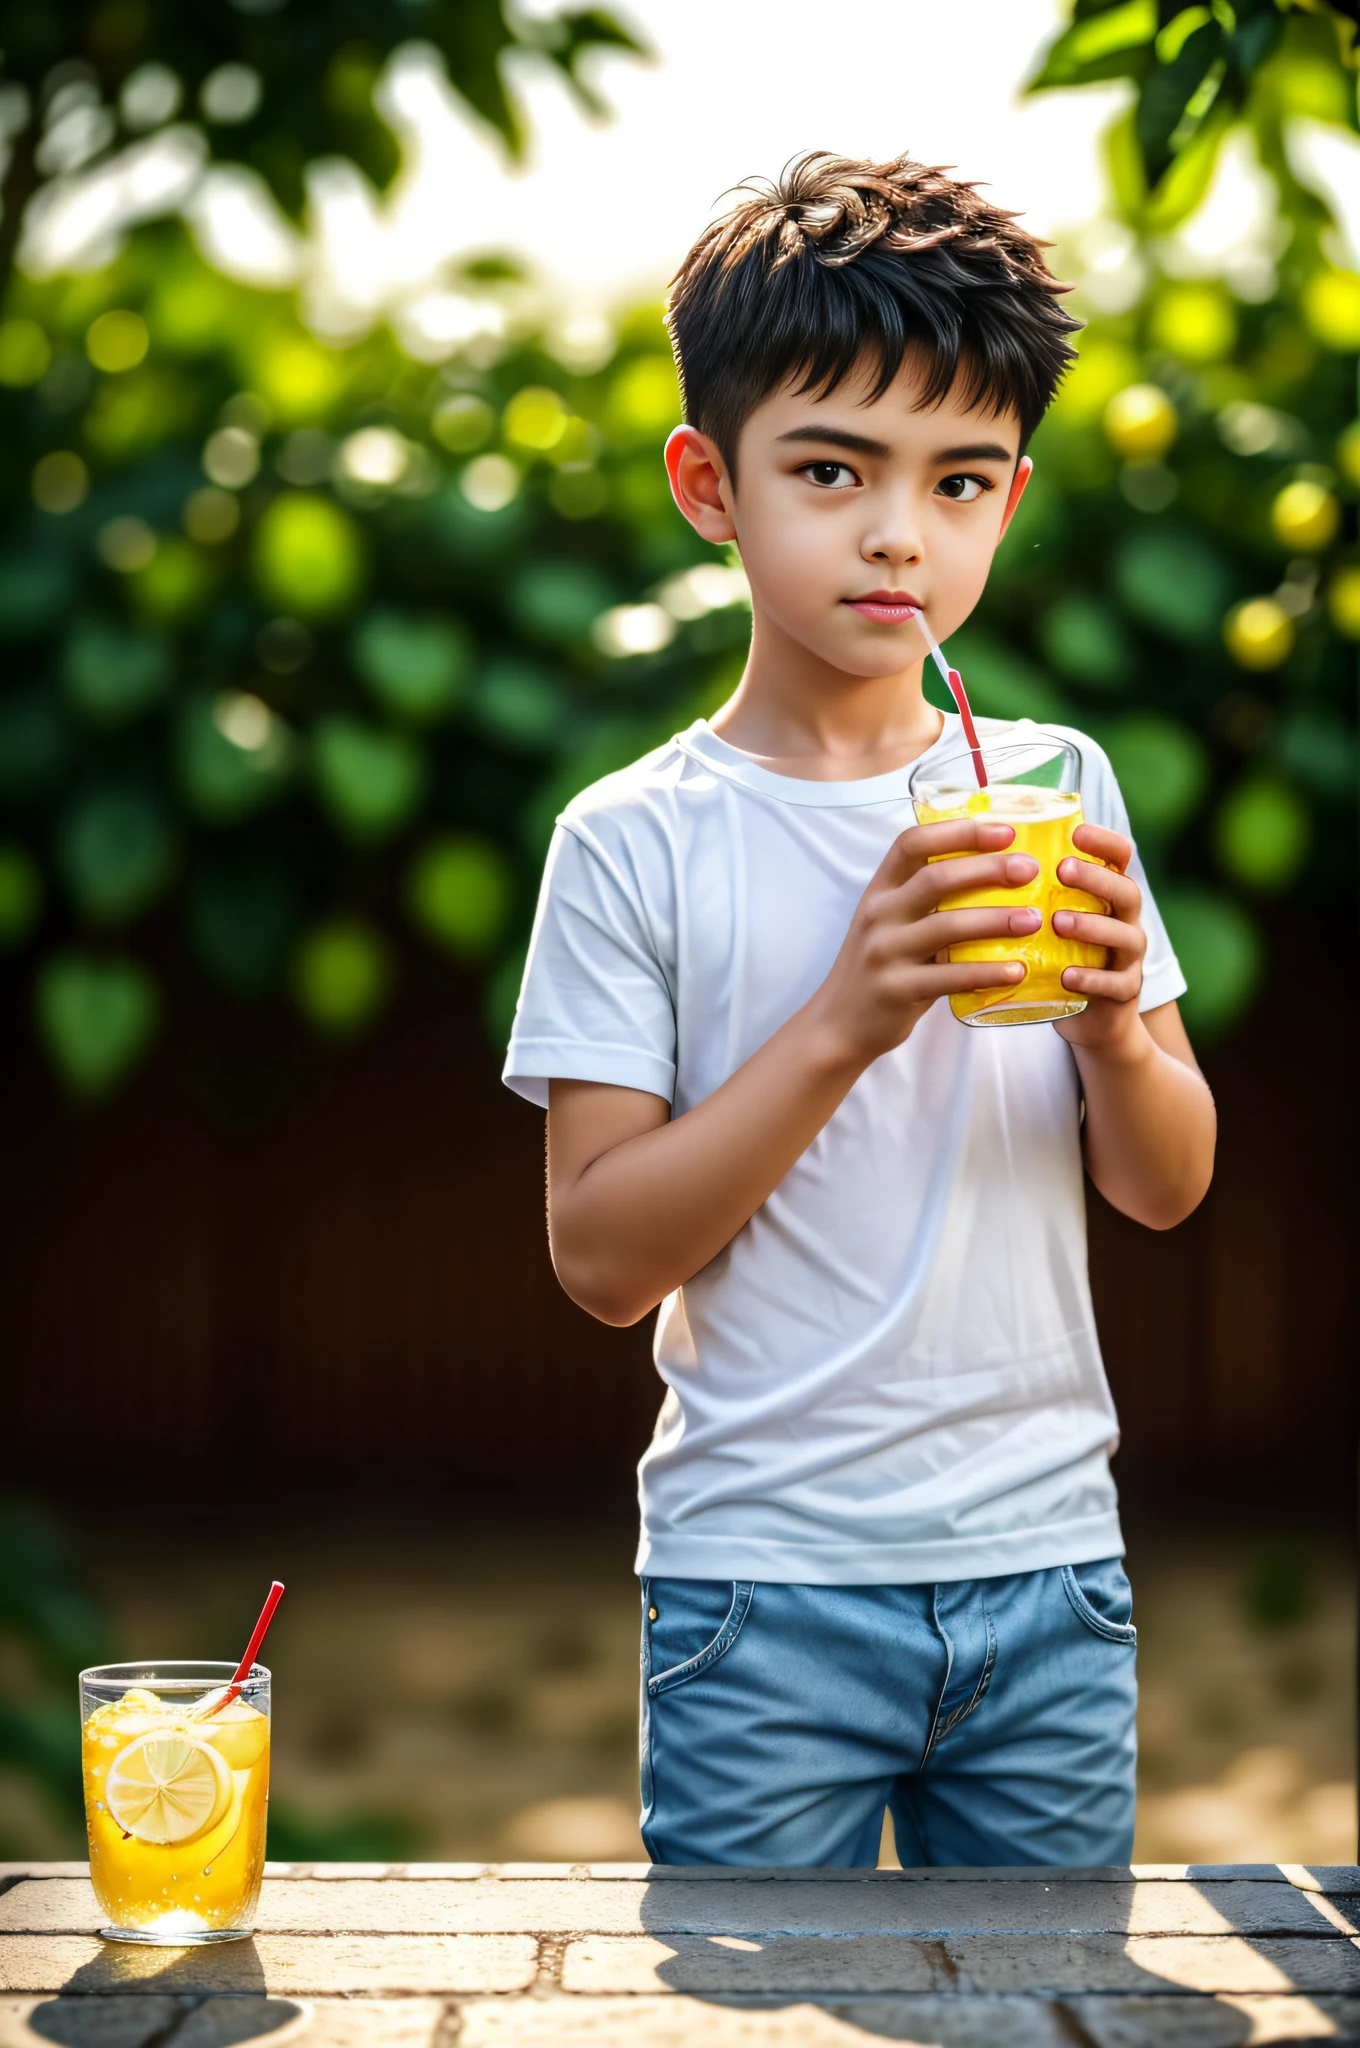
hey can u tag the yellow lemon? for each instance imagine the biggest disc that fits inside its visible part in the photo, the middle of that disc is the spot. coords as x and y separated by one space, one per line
239 1733
1343 601
536 418
1331 307
1195 323
1140 422
1348 453
167 1788
1305 517
1258 634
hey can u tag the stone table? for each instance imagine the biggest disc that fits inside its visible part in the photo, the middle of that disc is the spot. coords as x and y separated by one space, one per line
430 1955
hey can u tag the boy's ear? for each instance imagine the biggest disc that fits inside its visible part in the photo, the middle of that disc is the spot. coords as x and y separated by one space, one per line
1024 470
700 483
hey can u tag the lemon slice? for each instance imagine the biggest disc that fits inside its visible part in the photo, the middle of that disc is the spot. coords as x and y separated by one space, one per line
238 1733
167 1788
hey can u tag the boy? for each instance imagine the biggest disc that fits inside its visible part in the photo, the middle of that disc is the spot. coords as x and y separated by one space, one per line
880 1552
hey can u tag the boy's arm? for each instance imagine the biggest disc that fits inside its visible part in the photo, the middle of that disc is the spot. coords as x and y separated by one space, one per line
638 1202
1150 1122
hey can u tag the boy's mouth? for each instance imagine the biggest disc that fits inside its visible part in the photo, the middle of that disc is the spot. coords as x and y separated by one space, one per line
885 607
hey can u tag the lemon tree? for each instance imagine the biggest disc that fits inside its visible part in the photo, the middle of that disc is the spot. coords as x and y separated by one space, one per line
305 642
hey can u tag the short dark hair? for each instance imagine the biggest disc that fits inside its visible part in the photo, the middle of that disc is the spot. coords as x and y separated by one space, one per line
840 263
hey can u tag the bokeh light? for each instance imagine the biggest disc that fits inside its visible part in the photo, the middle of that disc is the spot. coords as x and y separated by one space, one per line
25 353
60 481
308 556
342 975
231 457
117 341
126 543
490 482
231 93
1140 422
211 515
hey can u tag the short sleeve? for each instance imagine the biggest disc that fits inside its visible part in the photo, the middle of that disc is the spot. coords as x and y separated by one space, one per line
1103 804
596 1003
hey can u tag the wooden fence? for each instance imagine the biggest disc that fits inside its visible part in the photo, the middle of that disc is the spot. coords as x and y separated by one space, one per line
350 1290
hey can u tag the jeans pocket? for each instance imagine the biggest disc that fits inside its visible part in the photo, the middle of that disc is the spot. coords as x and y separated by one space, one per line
1100 1596
690 1624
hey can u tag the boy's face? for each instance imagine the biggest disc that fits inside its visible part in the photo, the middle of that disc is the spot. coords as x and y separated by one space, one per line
843 504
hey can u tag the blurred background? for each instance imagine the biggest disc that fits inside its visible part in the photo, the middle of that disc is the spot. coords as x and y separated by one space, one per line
337 555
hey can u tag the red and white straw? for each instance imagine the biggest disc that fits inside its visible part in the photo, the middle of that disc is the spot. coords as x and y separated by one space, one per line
216 1700
956 690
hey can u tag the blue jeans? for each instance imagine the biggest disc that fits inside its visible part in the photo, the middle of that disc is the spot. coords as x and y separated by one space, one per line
994 1717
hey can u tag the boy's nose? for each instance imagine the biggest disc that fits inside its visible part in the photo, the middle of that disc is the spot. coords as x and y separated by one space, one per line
895 542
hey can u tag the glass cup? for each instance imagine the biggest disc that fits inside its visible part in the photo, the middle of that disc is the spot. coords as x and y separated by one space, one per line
175 1799
1034 785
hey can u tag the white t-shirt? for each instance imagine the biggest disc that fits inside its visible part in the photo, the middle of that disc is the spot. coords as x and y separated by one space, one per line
892 1373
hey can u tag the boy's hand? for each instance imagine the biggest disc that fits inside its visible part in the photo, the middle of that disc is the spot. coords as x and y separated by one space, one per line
1110 1018
891 967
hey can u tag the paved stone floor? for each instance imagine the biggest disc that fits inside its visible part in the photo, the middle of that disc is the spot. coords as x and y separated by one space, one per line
533 1956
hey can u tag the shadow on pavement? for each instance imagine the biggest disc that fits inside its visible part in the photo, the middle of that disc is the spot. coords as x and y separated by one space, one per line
1208 1957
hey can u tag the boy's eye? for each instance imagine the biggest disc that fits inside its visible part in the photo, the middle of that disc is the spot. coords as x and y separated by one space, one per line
962 489
829 476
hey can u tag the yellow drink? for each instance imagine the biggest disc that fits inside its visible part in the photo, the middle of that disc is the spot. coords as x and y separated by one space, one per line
1044 821
175 1807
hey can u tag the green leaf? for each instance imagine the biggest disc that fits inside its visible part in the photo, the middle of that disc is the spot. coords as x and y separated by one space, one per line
33 743
1082 638
1115 43
369 780
242 917
95 1018
309 556
558 602
21 894
1162 768
33 589
575 36
1169 96
43 1597
416 664
1186 181
224 782
365 1835
116 852
113 673
1221 953
1000 683
1320 749
1263 832
459 889
342 975
1175 583
1253 40
520 705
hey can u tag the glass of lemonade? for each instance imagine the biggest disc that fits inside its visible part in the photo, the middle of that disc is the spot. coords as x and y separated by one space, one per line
1034 785
176 1793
